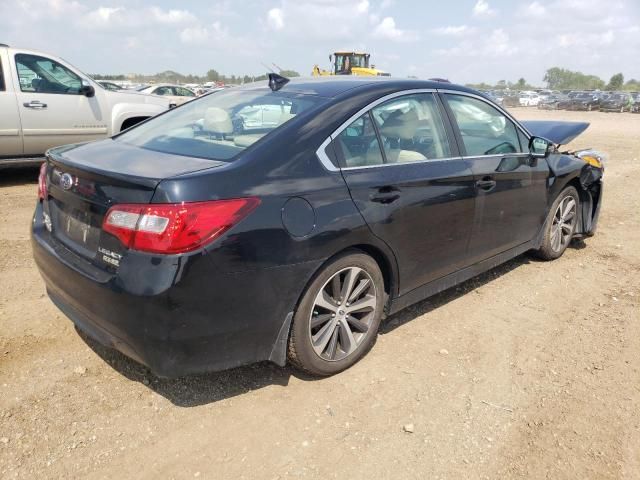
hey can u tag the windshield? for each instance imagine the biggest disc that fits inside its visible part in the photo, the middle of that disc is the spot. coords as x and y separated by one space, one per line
219 126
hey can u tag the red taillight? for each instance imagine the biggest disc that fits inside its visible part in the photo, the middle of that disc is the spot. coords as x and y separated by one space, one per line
42 182
175 227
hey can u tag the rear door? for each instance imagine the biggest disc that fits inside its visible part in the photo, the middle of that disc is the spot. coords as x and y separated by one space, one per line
10 133
410 185
511 185
52 109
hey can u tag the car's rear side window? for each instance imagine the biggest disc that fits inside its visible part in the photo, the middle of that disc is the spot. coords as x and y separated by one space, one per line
2 86
405 129
411 129
219 126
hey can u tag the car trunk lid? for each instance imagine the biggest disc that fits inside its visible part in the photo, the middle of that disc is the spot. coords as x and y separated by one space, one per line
84 181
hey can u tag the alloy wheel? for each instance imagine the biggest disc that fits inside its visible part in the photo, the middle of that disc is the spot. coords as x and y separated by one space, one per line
563 223
342 313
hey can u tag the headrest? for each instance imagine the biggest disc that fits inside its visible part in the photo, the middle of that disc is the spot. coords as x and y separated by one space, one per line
217 120
401 124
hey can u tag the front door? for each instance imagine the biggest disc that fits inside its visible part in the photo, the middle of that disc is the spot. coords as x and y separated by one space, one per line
10 135
52 109
413 190
511 185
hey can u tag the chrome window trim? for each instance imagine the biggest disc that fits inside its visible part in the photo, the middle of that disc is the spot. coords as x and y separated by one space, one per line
377 102
402 163
503 155
329 165
321 153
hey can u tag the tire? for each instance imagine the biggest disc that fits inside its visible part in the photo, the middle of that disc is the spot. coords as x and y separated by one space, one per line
319 343
559 227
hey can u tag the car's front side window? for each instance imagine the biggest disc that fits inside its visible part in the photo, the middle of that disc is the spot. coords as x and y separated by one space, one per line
484 129
163 91
411 129
183 92
43 75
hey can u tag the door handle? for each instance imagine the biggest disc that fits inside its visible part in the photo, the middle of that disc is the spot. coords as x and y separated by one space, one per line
34 104
385 195
486 183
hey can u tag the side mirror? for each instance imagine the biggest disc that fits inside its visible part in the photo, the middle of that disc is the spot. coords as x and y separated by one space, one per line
87 90
540 147
330 58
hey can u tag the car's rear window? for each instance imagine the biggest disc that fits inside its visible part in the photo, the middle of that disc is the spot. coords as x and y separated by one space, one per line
221 125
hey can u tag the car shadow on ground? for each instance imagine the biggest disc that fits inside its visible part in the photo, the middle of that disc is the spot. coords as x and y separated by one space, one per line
13 177
196 390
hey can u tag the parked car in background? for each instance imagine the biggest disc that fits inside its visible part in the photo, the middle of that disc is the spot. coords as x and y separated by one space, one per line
511 99
176 94
617 102
528 99
46 102
110 86
194 242
635 108
553 101
496 97
587 101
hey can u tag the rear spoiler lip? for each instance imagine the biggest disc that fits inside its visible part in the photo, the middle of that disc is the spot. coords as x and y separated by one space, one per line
557 132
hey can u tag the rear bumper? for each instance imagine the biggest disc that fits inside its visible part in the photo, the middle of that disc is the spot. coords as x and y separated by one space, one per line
194 319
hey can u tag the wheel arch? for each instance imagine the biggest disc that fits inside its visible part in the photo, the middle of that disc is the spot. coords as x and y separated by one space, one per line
385 261
131 121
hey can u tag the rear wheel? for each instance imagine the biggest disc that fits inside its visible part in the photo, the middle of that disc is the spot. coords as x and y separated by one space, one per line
560 225
337 320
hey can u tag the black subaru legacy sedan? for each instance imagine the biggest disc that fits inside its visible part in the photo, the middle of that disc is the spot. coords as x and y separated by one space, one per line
284 221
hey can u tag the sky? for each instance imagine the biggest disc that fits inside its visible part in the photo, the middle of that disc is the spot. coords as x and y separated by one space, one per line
466 41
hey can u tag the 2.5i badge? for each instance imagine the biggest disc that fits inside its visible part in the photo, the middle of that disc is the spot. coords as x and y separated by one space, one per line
112 258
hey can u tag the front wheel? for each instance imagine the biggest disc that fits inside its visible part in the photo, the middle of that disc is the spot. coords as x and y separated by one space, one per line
337 320
561 224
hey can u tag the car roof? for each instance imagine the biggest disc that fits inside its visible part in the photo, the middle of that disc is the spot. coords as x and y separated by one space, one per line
334 86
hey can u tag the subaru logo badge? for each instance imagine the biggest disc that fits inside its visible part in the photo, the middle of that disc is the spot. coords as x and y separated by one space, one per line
66 181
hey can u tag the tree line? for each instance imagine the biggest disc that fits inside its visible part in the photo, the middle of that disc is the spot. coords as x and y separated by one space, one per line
170 76
558 78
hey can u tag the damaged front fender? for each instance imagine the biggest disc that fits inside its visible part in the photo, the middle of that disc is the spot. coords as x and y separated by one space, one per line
584 170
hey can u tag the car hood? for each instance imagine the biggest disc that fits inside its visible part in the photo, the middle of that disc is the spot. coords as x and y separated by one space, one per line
137 97
559 133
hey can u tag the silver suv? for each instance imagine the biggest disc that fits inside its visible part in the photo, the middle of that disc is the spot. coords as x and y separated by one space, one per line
46 102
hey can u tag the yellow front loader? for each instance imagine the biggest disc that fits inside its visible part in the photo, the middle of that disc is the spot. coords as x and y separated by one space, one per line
349 63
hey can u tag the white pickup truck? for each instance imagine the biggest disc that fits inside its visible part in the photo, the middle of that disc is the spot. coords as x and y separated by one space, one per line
45 102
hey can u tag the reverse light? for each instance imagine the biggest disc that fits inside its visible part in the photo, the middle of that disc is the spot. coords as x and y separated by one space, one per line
175 227
42 182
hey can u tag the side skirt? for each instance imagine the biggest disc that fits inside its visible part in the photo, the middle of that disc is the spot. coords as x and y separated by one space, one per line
460 276
17 162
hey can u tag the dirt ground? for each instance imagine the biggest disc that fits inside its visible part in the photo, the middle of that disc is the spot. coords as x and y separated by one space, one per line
530 371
